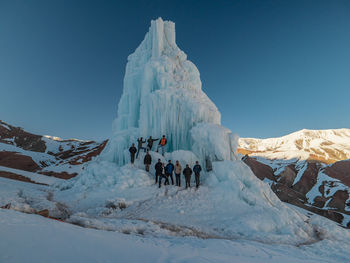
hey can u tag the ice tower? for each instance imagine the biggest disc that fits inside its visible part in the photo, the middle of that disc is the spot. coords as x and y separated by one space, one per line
163 94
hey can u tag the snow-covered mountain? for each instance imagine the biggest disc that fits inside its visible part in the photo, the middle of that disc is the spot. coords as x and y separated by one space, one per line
48 155
308 168
314 186
327 146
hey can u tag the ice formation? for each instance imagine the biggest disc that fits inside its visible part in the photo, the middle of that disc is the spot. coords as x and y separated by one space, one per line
163 95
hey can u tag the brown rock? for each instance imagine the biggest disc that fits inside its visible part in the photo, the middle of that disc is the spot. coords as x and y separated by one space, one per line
338 200
288 195
308 179
61 175
44 213
319 201
17 177
260 170
339 170
18 161
287 177
22 139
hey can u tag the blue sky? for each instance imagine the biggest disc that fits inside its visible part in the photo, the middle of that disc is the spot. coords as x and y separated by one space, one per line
271 67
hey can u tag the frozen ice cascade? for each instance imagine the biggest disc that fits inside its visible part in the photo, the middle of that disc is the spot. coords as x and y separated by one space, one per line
163 95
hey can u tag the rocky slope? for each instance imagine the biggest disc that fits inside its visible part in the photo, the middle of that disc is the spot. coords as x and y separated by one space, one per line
308 168
47 155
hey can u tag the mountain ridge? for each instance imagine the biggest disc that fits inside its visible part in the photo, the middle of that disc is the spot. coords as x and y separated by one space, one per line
326 146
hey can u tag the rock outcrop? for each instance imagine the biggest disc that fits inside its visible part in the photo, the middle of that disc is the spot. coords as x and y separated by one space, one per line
47 155
314 186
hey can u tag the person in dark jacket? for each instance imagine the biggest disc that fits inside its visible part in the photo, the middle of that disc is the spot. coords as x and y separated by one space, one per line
162 143
132 151
163 176
147 161
158 168
150 143
140 143
187 173
169 171
197 170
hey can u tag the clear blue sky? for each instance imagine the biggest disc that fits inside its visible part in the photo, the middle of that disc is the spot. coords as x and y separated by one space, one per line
271 67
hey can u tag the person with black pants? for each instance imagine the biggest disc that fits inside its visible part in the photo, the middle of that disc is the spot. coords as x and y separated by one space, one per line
147 161
140 143
158 167
169 171
150 143
197 169
132 151
187 173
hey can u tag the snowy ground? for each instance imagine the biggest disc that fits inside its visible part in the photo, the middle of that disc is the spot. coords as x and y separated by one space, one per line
31 238
126 217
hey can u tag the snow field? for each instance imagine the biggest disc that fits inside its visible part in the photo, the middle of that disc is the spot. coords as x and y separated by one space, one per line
27 235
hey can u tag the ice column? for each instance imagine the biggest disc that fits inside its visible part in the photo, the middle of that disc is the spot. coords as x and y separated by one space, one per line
162 94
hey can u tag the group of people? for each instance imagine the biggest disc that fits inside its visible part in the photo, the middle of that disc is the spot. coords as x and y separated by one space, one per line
166 172
150 141
162 170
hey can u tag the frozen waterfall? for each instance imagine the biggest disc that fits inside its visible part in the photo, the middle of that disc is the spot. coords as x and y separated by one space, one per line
163 94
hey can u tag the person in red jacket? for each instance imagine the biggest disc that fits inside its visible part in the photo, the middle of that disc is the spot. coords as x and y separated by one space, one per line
162 144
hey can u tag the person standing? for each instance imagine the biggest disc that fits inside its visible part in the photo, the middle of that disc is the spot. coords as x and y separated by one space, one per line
163 176
187 173
158 168
147 161
177 171
132 151
197 170
150 143
162 143
140 142
169 171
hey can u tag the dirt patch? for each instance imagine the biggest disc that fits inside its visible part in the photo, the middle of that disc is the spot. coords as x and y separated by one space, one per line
17 177
260 170
61 175
18 161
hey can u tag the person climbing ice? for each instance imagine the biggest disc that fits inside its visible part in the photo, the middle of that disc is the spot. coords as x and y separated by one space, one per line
158 167
132 151
197 170
140 142
150 142
162 144
169 168
177 171
147 161
187 173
